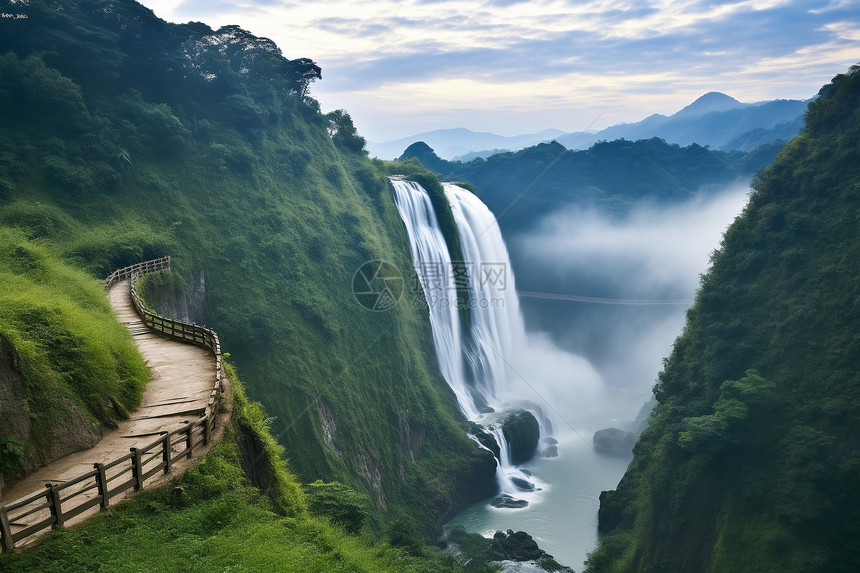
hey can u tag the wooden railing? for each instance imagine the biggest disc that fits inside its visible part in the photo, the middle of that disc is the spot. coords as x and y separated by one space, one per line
138 269
176 329
63 501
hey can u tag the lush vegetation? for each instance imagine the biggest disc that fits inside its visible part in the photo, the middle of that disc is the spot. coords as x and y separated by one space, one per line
751 461
123 137
611 175
68 370
213 518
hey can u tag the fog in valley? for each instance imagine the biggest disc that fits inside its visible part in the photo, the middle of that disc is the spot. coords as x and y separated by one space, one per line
643 268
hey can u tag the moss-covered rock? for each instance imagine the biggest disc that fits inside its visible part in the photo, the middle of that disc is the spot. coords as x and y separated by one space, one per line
484 437
517 546
507 545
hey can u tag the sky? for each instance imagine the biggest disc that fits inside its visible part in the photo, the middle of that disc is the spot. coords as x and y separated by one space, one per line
401 67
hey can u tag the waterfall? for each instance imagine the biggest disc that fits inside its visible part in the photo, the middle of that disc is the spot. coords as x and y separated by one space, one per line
497 325
474 366
433 266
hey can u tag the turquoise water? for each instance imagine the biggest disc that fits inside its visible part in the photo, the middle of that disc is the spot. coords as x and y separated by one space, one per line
562 517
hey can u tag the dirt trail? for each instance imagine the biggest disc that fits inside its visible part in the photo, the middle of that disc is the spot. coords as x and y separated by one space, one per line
182 378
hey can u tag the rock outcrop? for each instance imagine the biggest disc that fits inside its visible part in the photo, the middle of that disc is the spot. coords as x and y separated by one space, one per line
614 442
522 432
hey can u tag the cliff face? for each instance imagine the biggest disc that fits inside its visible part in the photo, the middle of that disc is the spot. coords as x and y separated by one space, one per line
188 304
124 138
751 461
76 432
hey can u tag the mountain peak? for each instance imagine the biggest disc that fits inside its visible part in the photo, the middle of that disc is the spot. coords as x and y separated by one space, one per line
709 102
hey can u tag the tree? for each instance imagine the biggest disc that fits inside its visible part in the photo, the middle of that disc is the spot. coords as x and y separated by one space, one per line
343 132
305 71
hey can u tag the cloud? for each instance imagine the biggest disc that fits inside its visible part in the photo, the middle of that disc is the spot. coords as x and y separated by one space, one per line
753 49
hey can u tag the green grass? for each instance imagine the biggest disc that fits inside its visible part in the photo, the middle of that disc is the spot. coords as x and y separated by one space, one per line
69 352
213 519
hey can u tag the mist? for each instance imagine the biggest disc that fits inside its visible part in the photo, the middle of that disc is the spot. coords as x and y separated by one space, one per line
559 382
653 255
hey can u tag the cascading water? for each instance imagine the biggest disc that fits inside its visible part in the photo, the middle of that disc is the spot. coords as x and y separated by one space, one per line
496 323
430 254
496 326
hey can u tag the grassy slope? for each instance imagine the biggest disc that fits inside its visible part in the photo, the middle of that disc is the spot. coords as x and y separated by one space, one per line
212 519
761 474
75 364
116 157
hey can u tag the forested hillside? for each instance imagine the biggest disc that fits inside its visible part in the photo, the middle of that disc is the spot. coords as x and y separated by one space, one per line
123 137
751 461
611 175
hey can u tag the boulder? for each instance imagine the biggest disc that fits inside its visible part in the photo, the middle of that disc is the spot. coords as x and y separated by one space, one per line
523 484
505 501
614 442
550 447
522 431
517 546
505 551
550 452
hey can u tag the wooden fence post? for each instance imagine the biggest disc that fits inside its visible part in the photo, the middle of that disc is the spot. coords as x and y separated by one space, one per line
6 541
165 455
206 429
56 505
136 469
188 439
101 484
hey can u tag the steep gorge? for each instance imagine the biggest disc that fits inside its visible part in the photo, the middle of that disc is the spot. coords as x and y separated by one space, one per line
751 459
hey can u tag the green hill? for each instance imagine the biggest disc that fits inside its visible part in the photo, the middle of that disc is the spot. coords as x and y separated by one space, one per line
68 370
613 176
123 138
751 461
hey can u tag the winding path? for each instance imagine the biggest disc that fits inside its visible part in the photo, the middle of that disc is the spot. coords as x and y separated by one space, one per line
178 392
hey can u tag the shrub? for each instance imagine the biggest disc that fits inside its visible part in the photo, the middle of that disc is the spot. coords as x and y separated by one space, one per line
340 503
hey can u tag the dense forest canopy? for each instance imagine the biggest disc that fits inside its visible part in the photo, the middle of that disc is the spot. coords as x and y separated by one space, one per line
613 176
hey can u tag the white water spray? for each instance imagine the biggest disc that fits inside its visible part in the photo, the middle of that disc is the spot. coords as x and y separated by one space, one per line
496 323
430 257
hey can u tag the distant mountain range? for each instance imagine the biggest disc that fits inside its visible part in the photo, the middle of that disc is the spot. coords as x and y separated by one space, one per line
458 142
715 119
613 175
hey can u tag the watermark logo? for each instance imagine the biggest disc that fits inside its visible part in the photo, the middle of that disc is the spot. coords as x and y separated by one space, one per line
437 276
377 285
